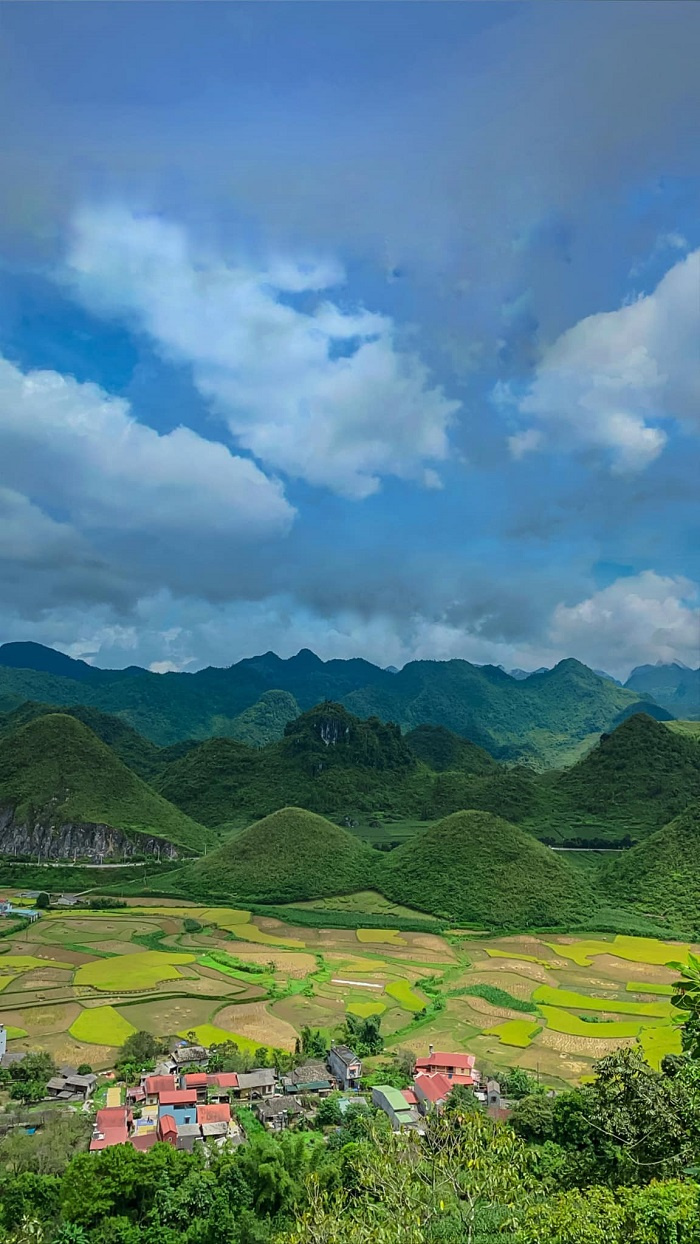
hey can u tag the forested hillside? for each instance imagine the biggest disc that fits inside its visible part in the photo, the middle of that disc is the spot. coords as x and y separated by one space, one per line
57 780
546 720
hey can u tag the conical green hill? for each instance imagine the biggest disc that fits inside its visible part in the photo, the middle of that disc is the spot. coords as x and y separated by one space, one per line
637 778
475 867
662 874
54 771
291 854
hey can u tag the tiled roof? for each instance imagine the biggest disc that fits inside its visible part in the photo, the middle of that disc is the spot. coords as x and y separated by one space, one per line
345 1054
224 1079
214 1114
459 1062
159 1084
256 1079
179 1097
409 1096
196 1079
146 1141
167 1126
432 1087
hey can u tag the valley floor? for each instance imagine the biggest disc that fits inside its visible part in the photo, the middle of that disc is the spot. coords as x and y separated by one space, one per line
78 982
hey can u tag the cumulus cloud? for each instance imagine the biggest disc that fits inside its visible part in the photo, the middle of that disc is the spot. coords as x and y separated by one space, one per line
92 501
82 447
642 618
321 393
611 380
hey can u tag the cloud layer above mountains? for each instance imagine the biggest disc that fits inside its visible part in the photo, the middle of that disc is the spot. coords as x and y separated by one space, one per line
372 329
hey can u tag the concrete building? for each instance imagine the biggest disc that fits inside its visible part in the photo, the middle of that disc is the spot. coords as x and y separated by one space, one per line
260 1083
345 1066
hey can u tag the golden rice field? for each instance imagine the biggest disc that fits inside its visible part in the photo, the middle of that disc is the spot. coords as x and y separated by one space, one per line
79 983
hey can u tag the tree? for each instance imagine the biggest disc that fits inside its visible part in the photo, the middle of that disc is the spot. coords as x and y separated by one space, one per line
516 1083
84 1069
140 1049
461 1100
313 1043
43 901
532 1118
329 1113
191 926
364 1035
687 1000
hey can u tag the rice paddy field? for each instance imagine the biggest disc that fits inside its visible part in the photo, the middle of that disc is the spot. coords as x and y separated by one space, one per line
78 983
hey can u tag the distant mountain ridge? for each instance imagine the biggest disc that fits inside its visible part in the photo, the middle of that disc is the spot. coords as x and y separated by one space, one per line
545 720
674 686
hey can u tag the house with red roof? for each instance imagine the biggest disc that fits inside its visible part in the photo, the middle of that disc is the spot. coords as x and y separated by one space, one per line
432 1091
222 1085
167 1130
112 1127
155 1085
220 1113
451 1065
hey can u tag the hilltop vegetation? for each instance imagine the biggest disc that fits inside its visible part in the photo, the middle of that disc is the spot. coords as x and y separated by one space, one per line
290 855
633 782
545 720
477 868
332 762
54 771
441 749
662 874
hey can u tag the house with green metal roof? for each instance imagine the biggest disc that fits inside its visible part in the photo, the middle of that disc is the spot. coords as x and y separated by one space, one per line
393 1103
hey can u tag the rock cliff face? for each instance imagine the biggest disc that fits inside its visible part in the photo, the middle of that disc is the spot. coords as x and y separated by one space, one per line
77 840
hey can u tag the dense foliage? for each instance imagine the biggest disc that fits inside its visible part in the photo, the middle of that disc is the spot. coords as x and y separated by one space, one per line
614 1162
662 874
475 867
542 720
55 771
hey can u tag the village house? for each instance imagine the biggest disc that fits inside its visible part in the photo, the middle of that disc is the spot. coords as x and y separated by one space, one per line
260 1083
71 1087
457 1067
345 1066
180 1103
431 1091
311 1077
154 1085
399 1112
112 1127
277 1111
222 1086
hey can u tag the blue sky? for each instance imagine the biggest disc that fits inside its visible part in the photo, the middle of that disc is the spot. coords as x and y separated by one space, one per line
371 328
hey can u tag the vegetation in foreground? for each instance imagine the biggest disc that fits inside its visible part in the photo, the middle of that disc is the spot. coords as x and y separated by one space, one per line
612 1163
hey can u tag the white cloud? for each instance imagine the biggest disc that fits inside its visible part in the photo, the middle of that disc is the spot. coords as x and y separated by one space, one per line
635 620
322 394
81 450
609 381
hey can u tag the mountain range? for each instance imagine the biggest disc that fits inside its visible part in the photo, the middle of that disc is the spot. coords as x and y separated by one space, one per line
284 802
545 720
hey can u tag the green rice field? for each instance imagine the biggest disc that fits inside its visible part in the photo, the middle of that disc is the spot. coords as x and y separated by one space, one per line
77 984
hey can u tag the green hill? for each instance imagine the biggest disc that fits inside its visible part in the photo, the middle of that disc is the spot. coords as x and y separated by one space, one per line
333 763
264 721
633 782
292 854
548 719
661 876
477 868
441 749
54 772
